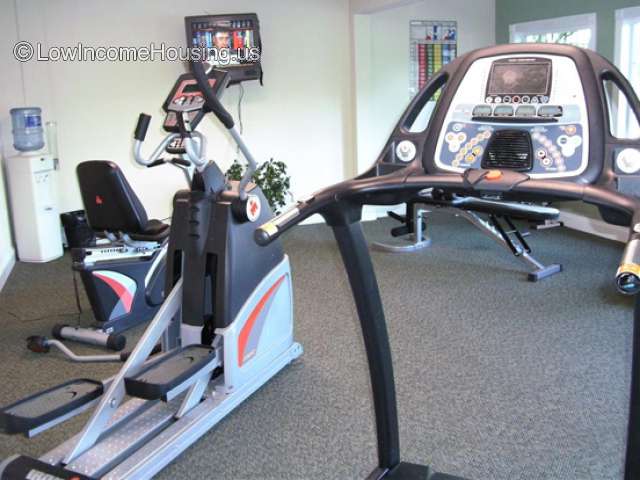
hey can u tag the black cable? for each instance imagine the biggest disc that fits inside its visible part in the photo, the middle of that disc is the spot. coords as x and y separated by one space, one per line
77 295
77 314
75 291
44 317
240 98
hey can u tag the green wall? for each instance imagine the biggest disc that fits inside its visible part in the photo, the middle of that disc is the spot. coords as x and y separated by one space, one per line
516 11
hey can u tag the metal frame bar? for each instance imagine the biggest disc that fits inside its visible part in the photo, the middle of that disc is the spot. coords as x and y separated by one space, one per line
357 261
113 397
537 270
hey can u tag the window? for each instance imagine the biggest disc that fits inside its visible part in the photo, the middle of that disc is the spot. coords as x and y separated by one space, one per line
627 58
578 30
622 121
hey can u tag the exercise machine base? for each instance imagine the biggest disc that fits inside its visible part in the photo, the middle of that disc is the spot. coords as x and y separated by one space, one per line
511 240
410 471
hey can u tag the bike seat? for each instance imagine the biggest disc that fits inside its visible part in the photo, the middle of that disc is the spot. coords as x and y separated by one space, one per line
111 204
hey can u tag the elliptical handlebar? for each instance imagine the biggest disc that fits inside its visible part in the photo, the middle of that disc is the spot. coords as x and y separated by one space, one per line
375 191
195 147
213 103
210 98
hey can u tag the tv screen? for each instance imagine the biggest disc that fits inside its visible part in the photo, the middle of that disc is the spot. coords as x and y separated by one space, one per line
230 42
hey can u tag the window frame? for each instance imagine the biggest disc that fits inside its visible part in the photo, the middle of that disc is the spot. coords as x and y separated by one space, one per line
624 58
557 24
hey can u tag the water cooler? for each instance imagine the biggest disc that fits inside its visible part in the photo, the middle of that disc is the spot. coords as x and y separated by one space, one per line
32 188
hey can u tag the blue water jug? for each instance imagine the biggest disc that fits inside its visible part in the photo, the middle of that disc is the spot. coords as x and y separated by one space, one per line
28 134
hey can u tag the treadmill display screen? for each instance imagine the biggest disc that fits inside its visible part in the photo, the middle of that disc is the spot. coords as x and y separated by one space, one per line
519 78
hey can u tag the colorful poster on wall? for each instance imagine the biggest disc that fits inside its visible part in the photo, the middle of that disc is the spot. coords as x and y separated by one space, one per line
432 44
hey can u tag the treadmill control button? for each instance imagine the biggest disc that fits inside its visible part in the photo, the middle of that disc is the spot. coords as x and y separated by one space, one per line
482 111
406 151
526 111
493 175
549 111
503 111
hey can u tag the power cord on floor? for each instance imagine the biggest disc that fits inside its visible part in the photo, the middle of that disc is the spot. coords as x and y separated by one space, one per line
77 314
37 319
77 295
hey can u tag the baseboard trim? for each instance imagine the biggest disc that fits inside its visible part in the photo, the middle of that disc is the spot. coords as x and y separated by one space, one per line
594 226
6 266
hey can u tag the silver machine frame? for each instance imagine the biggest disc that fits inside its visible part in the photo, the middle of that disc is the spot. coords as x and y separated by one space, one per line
420 239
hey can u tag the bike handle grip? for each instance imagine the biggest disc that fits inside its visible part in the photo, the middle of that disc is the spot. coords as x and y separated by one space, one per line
156 163
628 274
181 161
142 126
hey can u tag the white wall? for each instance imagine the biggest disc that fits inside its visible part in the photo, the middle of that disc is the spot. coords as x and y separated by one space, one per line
10 95
382 61
301 115
371 6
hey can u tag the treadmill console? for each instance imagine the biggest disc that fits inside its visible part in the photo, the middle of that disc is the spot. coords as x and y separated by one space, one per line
547 111
521 112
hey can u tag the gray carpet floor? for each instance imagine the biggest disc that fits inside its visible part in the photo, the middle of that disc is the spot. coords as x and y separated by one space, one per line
497 378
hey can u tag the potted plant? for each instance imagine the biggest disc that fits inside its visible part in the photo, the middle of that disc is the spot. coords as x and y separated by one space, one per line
271 177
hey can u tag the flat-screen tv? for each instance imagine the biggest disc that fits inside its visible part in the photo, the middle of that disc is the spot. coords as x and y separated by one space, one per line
231 42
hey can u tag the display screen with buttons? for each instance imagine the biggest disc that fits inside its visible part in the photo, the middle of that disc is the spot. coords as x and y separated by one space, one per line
532 94
187 97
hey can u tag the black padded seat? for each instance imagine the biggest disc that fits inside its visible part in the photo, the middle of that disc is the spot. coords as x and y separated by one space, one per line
111 204
155 231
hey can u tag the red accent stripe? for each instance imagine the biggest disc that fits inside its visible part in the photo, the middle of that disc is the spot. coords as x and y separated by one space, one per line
123 294
248 326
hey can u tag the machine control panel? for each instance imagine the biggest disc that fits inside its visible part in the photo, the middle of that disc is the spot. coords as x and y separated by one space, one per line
539 97
186 97
555 148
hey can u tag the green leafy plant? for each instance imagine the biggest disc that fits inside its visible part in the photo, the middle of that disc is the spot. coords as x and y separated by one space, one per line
271 177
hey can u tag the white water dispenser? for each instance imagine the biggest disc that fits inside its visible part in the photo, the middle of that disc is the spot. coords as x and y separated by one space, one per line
32 189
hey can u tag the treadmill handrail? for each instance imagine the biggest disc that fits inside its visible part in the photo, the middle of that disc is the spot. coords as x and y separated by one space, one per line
388 190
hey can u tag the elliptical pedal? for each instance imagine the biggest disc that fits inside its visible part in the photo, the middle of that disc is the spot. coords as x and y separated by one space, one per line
45 409
173 373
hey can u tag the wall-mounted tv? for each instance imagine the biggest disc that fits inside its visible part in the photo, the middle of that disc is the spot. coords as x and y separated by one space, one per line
232 43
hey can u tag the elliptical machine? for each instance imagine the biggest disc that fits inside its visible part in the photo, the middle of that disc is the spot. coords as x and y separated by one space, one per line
226 324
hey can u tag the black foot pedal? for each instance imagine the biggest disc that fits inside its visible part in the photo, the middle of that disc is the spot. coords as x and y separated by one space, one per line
45 409
19 467
170 372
